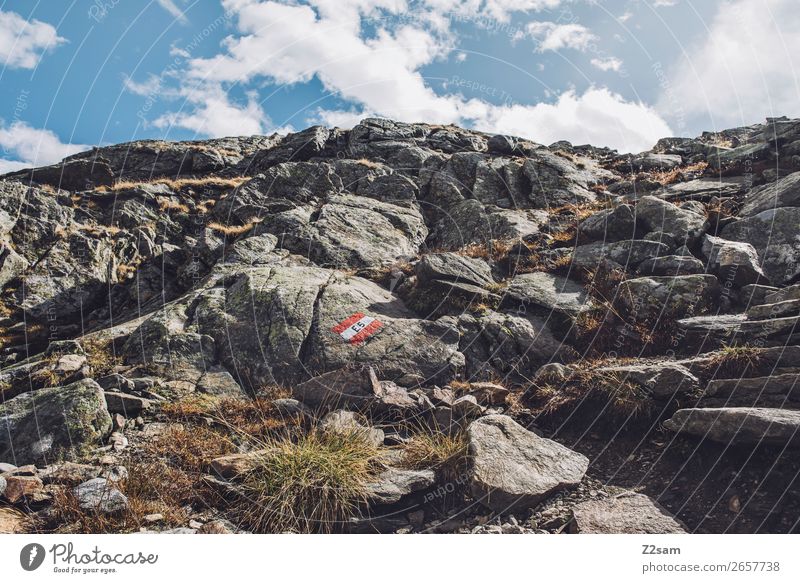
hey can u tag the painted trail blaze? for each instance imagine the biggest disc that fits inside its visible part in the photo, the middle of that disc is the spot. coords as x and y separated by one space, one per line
357 328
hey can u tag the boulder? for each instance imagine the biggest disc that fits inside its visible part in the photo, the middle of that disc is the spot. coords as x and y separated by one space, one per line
35 427
628 254
350 423
615 224
671 265
99 496
653 298
124 404
658 215
453 267
627 513
739 425
277 323
513 468
733 261
773 234
20 488
393 484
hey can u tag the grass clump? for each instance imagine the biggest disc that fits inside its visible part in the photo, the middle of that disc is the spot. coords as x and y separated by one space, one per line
445 453
310 484
101 356
232 230
734 360
600 393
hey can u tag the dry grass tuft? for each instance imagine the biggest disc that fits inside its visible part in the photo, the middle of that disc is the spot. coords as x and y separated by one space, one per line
313 483
444 453
369 163
165 205
100 356
177 183
733 361
495 249
603 393
232 230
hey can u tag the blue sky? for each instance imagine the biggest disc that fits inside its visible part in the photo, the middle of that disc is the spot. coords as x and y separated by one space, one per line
622 73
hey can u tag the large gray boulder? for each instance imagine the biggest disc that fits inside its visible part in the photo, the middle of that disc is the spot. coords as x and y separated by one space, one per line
739 425
651 298
733 261
658 215
276 324
99 496
37 427
513 468
773 233
627 254
500 344
615 224
453 267
627 513
393 484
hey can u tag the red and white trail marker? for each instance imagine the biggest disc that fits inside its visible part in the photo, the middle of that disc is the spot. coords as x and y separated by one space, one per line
357 328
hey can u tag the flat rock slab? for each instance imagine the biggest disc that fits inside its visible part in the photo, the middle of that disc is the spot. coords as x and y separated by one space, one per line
453 267
739 425
393 484
514 468
551 292
629 513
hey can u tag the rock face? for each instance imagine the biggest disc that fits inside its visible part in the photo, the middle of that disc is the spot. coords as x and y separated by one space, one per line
773 233
395 276
629 513
35 427
514 468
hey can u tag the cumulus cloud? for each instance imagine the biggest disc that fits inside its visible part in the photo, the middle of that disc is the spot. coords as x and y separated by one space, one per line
283 43
608 64
32 147
22 42
210 111
744 68
552 36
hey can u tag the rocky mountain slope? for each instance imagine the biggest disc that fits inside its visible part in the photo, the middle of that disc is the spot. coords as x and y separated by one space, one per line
425 327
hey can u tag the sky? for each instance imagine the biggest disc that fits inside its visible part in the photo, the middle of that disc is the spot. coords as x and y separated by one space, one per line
617 73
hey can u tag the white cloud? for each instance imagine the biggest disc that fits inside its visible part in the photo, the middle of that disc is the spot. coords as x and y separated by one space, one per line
625 16
174 10
744 68
32 147
22 42
553 36
211 112
664 3
283 43
608 64
150 87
